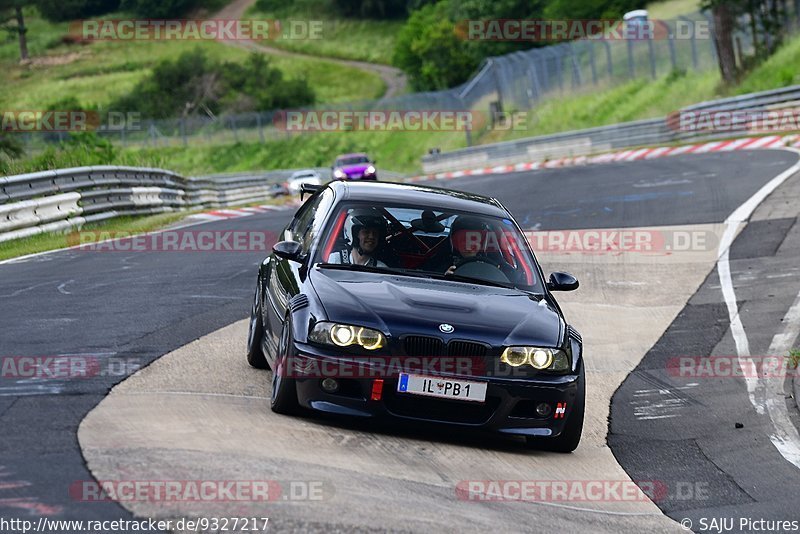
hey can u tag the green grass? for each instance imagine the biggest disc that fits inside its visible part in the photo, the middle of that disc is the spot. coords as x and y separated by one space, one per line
364 40
100 72
672 9
396 151
53 241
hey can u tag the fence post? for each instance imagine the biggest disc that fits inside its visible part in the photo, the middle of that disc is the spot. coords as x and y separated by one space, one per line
672 55
693 41
592 64
576 71
260 128
609 59
233 129
631 70
651 52
183 131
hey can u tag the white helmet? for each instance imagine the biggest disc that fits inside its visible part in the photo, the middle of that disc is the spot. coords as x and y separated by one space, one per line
364 218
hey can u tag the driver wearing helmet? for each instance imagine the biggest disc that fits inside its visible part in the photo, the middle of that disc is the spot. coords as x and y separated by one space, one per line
363 232
468 237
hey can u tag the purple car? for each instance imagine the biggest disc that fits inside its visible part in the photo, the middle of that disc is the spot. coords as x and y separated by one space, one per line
354 167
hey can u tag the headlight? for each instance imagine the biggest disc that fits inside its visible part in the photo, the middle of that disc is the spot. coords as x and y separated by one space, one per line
370 170
538 358
345 335
339 173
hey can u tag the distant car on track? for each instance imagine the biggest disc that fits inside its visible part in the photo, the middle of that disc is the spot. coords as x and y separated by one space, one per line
298 178
354 167
448 319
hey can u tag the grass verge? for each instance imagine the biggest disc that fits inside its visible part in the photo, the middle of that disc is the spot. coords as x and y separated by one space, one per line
54 241
343 38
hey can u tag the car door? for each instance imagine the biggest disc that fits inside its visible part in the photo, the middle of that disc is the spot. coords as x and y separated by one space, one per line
285 281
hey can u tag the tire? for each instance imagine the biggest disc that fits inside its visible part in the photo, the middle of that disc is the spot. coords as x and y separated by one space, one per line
283 399
255 336
571 435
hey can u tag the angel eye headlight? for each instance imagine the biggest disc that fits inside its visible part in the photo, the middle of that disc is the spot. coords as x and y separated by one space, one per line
344 335
514 356
537 357
541 358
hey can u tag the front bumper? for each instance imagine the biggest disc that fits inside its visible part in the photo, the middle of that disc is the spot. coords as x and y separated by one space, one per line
509 406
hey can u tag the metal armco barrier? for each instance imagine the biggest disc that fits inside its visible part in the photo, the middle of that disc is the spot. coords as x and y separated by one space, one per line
59 200
605 138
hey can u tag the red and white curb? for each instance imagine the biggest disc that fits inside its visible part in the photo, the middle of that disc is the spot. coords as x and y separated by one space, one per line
747 143
234 213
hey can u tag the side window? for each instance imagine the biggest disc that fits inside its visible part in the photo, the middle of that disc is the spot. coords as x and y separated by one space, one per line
307 223
315 226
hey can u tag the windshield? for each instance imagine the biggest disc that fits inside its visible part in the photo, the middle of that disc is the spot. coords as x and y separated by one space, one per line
435 243
354 160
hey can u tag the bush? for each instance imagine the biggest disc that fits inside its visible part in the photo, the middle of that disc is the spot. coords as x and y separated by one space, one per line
193 84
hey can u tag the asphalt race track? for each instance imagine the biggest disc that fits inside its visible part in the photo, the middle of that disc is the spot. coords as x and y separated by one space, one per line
200 412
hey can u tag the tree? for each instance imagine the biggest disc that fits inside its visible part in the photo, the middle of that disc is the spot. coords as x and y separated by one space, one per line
60 10
723 14
11 10
430 51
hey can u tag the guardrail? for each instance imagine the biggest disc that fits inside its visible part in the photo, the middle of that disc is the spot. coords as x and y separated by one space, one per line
59 200
52 201
605 138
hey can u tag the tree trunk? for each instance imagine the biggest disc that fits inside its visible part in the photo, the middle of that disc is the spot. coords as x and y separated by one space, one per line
723 39
22 30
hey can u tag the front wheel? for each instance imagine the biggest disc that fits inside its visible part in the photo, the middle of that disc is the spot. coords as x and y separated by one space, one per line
255 336
283 399
571 435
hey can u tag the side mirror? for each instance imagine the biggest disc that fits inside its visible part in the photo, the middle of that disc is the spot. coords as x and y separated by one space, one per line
562 282
374 161
288 250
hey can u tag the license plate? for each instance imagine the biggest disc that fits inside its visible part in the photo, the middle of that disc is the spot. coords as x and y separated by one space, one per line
445 388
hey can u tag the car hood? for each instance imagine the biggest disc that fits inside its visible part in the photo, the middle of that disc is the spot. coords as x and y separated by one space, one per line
358 168
400 305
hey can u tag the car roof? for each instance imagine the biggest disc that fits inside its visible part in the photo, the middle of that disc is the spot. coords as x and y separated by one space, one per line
422 195
353 155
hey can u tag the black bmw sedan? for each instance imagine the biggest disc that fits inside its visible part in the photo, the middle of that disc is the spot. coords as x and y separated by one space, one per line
405 301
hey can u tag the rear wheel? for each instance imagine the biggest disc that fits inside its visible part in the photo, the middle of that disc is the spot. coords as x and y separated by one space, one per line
570 437
255 336
283 399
